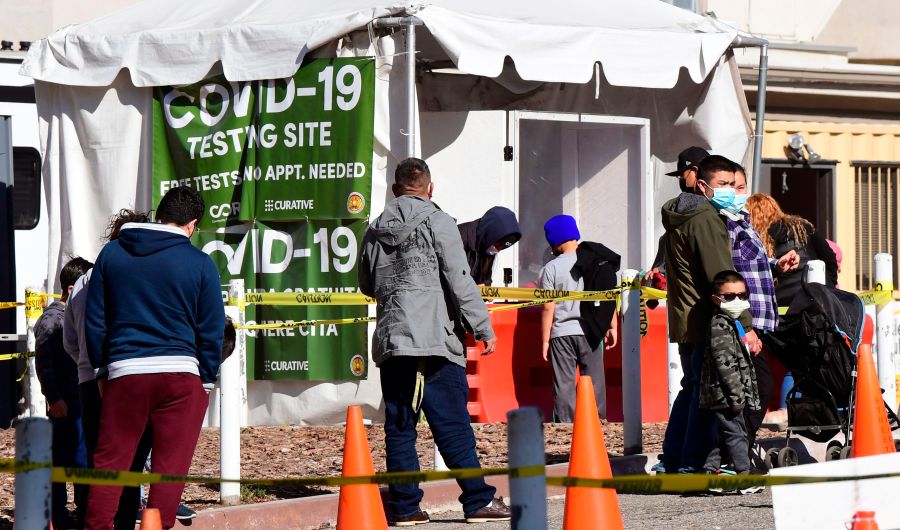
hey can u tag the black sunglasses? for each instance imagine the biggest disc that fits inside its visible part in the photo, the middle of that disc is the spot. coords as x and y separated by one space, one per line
729 297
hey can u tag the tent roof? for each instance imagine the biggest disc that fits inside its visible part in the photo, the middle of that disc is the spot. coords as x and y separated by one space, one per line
641 43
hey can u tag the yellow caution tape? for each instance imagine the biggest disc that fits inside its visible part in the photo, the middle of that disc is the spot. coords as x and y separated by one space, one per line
10 305
305 299
880 295
622 484
547 295
290 324
11 356
34 305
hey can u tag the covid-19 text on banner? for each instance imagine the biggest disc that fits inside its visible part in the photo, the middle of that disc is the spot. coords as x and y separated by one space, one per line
312 259
285 149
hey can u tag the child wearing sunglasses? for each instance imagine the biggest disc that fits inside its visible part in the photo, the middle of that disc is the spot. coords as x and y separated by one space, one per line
728 380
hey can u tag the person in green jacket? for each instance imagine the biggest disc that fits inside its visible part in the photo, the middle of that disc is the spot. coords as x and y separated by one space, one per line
696 248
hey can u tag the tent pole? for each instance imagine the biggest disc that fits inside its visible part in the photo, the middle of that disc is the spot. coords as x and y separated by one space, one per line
410 87
760 117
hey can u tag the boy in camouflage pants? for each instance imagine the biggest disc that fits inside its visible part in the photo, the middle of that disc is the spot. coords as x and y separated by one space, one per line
728 380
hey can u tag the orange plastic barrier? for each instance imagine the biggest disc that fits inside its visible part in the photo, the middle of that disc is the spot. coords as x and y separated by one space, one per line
516 375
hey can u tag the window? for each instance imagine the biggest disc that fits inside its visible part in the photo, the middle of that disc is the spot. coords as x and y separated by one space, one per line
26 188
877 186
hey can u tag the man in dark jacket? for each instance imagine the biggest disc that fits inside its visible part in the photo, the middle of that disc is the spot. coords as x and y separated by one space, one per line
154 324
412 262
696 248
483 238
58 375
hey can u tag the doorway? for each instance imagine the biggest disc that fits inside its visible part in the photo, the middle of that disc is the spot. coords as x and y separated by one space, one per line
803 190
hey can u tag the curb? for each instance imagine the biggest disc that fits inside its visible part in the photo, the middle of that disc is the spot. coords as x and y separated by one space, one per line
321 510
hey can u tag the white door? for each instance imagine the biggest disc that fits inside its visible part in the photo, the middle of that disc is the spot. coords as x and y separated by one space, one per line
539 164
594 168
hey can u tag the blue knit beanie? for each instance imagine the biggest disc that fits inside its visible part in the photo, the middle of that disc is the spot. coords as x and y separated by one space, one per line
559 229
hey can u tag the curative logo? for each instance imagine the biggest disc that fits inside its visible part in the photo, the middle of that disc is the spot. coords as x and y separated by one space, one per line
357 365
356 202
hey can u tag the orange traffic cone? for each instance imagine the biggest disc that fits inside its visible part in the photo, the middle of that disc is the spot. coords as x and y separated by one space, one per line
871 432
150 519
589 508
864 521
359 505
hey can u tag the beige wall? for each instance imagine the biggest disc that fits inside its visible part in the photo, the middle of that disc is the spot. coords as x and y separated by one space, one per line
844 143
31 20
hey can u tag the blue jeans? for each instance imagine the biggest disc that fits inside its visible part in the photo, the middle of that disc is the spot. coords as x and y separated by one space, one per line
68 451
444 405
690 433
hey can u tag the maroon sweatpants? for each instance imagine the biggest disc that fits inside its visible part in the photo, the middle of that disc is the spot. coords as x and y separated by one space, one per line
173 404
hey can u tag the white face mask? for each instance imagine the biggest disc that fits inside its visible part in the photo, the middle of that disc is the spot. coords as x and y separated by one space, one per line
735 307
491 251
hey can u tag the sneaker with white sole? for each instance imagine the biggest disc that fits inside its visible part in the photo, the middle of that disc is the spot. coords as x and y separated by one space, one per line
418 517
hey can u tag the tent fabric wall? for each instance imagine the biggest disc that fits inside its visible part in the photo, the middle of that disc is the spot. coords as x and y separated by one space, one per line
95 136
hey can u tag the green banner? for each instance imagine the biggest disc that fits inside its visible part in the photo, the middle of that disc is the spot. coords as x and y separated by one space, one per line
275 150
302 257
285 169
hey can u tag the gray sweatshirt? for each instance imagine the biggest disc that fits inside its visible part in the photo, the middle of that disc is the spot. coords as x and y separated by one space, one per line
413 264
73 329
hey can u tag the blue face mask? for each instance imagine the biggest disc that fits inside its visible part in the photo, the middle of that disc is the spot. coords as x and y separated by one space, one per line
738 203
722 198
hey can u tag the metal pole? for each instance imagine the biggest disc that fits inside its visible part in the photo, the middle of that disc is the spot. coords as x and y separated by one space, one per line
32 492
675 372
760 116
35 404
410 87
886 328
631 364
230 404
528 495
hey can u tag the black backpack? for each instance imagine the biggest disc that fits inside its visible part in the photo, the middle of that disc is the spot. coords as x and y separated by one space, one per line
597 265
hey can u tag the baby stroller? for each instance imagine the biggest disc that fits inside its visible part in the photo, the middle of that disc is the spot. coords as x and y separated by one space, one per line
817 340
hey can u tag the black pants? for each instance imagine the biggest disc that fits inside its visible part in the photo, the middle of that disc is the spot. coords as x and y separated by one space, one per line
765 385
130 500
732 430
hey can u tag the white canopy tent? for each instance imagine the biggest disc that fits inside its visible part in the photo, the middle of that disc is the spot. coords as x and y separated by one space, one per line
637 58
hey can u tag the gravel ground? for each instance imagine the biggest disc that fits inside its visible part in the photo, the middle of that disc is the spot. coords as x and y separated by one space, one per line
725 512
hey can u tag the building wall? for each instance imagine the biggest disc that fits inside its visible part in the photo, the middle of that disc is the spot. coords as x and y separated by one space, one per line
842 142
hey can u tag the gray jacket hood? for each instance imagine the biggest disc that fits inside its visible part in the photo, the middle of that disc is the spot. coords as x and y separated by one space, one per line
401 216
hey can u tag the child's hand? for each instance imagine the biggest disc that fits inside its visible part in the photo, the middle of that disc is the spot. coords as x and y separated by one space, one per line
611 338
545 349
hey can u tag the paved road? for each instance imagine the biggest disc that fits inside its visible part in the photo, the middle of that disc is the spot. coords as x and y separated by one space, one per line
745 512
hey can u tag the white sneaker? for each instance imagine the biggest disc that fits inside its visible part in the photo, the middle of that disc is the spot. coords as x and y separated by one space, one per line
751 490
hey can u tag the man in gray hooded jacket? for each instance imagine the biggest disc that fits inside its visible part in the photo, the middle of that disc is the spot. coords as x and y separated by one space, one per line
414 265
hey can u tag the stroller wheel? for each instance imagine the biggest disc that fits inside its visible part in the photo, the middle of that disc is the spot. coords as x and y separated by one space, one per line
787 457
833 452
771 458
845 452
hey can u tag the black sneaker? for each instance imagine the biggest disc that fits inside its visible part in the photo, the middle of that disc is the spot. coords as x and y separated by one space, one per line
497 510
184 513
418 517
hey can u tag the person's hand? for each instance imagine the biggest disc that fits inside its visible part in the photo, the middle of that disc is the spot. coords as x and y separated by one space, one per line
788 263
753 343
59 409
545 350
736 409
651 274
489 346
611 338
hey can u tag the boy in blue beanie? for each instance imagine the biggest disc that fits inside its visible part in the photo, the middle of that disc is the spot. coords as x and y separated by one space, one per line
562 328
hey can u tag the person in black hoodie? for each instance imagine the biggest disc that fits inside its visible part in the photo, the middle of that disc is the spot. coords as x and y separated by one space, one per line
153 323
58 375
483 238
